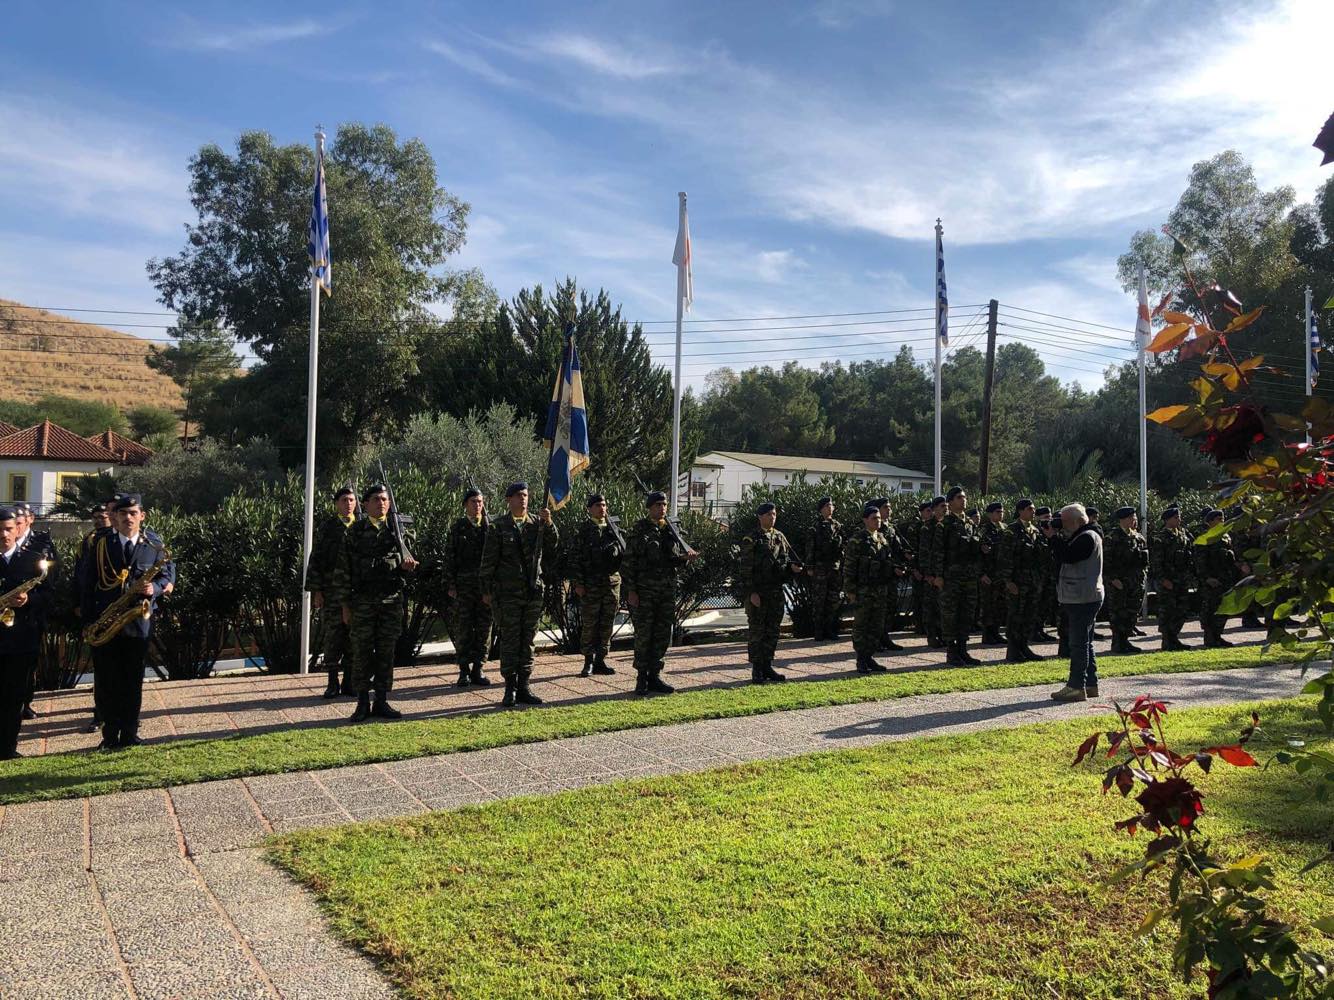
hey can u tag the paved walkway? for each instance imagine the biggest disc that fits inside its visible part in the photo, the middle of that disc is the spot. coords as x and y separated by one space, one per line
162 893
255 703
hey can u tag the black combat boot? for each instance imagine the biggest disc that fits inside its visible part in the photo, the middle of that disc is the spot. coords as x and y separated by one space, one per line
889 644
363 710
588 666
1014 653
508 700
600 667
1138 632
28 713
658 686
641 681
991 636
465 677
875 668
968 657
1031 656
478 678
863 664
757 675
524 695
1251 620
1177 646
954 656
1039 635
382 709
770 674
332 690
935 641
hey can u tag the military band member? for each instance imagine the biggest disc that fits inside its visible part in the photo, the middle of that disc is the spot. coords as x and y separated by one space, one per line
868 573
1020 568
652 559
463 565
823 562
956 559
1217 569
39 541
368 582
767 562
991 595
119 560
20 640
931 593
898 551
1125 560
595 570
100 515
324 552
517 548
1171 563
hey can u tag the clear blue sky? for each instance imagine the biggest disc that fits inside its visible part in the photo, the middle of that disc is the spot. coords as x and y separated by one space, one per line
818 141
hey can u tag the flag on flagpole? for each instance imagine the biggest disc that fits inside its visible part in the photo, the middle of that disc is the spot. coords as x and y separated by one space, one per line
566 433
1313 337
681 258
1143 323
318 244
942 299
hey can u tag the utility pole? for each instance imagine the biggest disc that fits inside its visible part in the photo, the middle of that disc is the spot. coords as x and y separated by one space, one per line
984 466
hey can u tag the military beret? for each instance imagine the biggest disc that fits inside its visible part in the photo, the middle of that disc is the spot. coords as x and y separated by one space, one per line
345 491
595 498
1124 512
994 506
124 501
870 509
824 502
470 492
971 512
1091 511
1023 504
1043 512
924 505
1212 514
880 501
98 508
954 491
765 508
1170 513
514 488
6 514
937 501
657 496
373 489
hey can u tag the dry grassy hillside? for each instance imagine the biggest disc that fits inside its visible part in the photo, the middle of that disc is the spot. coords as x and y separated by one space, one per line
48 353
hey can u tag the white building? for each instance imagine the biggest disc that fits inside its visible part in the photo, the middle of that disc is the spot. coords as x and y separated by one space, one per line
719 477
37 461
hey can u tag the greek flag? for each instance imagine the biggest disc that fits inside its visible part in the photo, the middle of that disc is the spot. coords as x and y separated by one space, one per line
567 426
1314 343
942 298
318 244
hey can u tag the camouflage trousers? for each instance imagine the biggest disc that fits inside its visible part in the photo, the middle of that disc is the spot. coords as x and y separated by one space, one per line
1212 622
471 623
958 604
992 598
374 632
517 613
1123 606
822 584
1021 612
762 625
930 609
918 607
336 643
869 615
597 615
653 621
1173 608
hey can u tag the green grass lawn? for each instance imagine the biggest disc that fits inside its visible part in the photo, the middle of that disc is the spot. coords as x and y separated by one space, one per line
179 762
952 867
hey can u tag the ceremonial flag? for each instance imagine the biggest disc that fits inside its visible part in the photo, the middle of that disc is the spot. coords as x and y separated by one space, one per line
1143 324
318 244
566 433
1313 337
942 299
685 283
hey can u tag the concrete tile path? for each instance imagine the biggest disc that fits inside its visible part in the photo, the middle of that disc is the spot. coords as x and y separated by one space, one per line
163 894
256 703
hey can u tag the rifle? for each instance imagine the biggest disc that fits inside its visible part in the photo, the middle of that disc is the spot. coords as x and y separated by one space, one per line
614 522
677 537
397 521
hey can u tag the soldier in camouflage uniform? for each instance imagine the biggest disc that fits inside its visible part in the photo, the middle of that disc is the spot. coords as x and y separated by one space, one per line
595 571
368 584
1048 610
517 546
651 560
767 562
910 530
868 573
1171 563
463 565
324 552
1217 569
824 555
1020 566
898 550
956 560
1125 560
931 593
992 590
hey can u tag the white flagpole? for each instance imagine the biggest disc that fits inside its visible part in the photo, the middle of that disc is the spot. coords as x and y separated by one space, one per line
1306 339
312 383
676 401
1141 342
935 286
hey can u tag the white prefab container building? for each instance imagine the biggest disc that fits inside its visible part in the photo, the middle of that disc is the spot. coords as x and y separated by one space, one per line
719 477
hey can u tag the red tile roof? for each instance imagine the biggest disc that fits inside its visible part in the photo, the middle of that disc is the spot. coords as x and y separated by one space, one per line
7 428
48 440
130 452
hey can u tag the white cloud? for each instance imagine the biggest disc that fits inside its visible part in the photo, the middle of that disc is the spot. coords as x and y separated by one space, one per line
473 62
616 60
846 13
191 34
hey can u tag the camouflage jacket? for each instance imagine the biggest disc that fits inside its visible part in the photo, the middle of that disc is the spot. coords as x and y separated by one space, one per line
595 555
463 550
824 550
1218 560
369 569
1171 556
652 556
991 535
1022 557
767 560
868 561
324 552
510 552
956 549
1125 555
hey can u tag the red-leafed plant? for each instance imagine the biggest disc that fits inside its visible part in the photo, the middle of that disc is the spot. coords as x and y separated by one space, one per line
1224 928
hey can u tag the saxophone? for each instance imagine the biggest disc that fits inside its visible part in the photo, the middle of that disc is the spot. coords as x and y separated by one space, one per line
126 608
8 599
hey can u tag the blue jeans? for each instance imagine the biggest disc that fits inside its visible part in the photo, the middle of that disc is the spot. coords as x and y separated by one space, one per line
1083 663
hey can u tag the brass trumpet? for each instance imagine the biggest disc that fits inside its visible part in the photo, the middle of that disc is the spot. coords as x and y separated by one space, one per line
9 599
